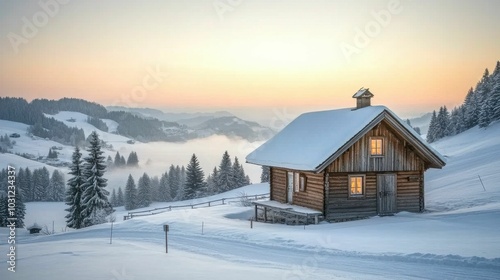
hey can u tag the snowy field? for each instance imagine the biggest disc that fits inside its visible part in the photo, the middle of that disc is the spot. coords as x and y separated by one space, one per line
457 238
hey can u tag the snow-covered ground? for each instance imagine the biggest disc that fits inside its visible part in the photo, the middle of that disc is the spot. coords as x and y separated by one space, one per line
458 238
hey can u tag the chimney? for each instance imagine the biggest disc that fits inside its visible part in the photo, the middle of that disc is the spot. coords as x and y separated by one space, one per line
363 98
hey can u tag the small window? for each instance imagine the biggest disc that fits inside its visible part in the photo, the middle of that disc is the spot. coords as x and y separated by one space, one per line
376 146
356 185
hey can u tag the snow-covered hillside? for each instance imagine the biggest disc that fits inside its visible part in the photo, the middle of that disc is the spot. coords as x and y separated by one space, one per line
154 157
458 238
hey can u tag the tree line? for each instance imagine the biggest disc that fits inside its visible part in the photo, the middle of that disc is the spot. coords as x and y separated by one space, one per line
179 183
481 106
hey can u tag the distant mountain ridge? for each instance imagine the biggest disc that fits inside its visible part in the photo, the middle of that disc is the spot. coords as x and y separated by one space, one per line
142 124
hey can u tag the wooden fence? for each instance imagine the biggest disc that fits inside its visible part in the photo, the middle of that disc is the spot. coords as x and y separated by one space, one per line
216 202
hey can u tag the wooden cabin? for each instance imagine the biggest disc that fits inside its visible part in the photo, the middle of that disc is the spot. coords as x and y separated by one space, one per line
349 163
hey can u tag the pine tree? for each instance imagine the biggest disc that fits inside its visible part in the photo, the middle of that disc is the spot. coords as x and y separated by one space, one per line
114 199
52 154
486 113
182 182
239 176
144 191
120 198
109 162
74 192
195 179
22 183
174 181
133 160
433 127
41 179
212 182
56 191
4 211
95 196
495 94
164 189
29 188
155 185
20 209
264 176
122 161
225 180
130 194
118 161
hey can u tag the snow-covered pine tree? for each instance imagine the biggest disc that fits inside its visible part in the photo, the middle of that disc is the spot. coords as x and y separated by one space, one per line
120 199
443 122
41 180
74 192
52 154
118 161
144 191
264 175
174 181
182 182
225 180
20 209
29 188
486 113
130 194
56 190
21 183
4 212
109 162
164 189
96 206
495 93
122 161
472 108
433 126
212 182
195 180
155 185
133 160
113 200
239 177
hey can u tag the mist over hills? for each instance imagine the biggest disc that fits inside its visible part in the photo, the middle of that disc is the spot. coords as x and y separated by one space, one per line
142 124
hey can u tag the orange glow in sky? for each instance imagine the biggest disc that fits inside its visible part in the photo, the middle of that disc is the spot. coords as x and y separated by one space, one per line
414 55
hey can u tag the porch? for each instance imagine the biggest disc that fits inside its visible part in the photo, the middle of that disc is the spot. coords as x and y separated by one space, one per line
276 212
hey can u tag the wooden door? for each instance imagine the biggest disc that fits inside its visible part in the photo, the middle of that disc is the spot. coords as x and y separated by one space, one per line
386 194
289 186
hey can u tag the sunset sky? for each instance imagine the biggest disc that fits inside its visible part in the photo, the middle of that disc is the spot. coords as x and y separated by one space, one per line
246 54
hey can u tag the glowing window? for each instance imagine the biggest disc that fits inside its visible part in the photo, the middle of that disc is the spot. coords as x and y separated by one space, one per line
356 185
376 147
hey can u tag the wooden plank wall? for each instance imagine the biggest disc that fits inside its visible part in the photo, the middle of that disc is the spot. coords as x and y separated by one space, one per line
409 191
313 196
398 156
278 184
341 206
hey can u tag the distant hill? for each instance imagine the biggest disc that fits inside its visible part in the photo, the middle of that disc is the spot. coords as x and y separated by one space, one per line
422 122
142 124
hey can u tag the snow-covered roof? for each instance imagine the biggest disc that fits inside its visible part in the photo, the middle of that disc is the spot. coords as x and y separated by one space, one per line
313 140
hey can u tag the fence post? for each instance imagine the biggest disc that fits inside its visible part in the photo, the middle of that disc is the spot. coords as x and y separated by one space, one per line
223 201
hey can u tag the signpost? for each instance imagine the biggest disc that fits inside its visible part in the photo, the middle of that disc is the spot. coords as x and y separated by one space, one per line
165 229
